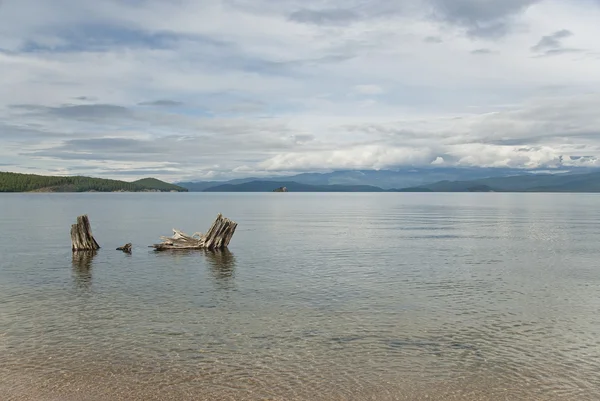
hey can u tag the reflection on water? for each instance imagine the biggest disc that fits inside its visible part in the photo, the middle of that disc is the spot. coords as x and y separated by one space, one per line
82 268
222 264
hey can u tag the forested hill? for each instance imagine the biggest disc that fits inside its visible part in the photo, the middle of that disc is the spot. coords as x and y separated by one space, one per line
15 182
154 183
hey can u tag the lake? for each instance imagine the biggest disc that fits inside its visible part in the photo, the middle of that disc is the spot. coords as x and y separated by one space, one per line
320 297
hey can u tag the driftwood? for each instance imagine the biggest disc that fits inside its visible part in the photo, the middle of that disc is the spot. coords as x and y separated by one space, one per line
125 248
218 237
81 235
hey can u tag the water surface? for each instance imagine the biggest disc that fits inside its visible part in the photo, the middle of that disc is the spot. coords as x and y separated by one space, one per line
320 297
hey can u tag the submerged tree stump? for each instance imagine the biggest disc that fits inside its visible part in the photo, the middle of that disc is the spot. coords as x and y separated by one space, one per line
81 235
218 237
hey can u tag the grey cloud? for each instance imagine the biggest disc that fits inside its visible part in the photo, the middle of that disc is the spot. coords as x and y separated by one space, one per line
492 31
27 132
433 39
85 98
303 138
117 145
551 45
27 107
474 11
161 103
481 18
116 149
541 139
83 168
552 41
514 141
323 17
245 107
92 111
556 52
104 35
77 112
481 52
209 52
218 143
200 141
84 112
135 172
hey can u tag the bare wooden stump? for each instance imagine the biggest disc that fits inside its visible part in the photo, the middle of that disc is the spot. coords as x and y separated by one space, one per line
125 248
81 235
218 237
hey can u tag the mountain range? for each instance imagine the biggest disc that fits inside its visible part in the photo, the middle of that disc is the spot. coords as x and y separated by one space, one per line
470 180
291 186
524 183
385 179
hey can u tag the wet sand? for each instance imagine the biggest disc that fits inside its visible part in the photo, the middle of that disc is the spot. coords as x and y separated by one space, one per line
107 386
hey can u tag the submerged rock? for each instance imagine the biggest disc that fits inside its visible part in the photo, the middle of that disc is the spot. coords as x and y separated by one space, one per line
125 248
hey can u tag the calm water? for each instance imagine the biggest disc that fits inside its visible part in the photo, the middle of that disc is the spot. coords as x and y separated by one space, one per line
321 297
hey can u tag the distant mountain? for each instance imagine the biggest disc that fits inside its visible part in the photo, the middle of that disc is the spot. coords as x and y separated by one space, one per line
270 186
15 182
523 183
386 179
202 185
401 178
153 183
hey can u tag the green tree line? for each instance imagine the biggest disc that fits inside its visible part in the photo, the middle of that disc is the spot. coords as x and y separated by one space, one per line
15 182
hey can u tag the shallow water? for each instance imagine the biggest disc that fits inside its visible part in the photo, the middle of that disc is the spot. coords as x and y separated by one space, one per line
321 297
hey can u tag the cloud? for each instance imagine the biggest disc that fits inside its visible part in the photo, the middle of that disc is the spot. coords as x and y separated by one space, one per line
550 45
552 41
369 89
353 157
481 51
89 112
85 98
321 17
553 52
303 138
161 103
481 18
433 39
297 85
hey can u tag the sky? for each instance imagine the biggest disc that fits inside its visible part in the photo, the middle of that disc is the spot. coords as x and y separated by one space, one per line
219 89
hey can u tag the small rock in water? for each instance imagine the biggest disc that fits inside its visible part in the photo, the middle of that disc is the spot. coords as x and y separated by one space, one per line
125 248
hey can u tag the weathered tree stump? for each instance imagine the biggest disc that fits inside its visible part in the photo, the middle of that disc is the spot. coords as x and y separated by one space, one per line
218 237
81 235
125 248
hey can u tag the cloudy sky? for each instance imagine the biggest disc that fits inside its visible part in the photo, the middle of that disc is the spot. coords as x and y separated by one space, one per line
215 89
